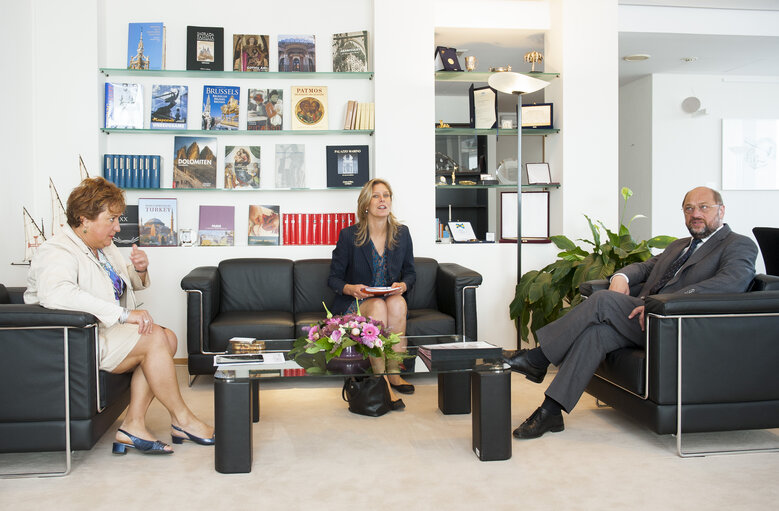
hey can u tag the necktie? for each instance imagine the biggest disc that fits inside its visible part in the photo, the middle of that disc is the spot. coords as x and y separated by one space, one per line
674 268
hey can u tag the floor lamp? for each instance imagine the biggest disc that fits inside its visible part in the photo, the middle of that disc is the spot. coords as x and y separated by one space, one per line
516 83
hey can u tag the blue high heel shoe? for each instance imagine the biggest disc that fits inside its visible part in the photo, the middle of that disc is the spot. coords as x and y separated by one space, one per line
141 445
191 437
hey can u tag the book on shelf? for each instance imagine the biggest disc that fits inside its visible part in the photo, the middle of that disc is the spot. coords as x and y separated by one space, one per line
350 105
460 350
350 52
169 107
220 107
205 48
264 224
314 228
217 226
347 166
194 162
132 171
157 222
309 107
146 46
129 232
124 105
290 166
264 109
242 167
297 53
250 52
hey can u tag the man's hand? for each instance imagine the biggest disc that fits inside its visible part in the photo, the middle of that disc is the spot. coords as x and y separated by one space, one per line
619 284
638 311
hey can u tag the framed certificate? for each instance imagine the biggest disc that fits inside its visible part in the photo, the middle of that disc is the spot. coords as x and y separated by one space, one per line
483 102
538 173
537 116
535 217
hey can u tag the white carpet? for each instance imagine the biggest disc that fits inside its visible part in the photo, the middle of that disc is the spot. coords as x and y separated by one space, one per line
311 453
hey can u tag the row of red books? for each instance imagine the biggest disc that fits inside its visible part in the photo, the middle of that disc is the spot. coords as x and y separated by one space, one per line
315 228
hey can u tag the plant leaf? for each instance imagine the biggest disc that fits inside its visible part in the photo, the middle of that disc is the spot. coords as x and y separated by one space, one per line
563 242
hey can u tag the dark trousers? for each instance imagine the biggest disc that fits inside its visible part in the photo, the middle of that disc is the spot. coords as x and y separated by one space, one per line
579 341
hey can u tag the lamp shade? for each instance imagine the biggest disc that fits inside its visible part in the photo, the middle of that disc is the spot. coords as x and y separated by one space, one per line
515 83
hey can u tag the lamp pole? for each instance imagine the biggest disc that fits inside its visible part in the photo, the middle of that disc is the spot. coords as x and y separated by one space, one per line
516 83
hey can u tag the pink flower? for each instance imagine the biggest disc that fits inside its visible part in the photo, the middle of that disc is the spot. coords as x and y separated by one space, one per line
379 343
370 332
313 335
336 336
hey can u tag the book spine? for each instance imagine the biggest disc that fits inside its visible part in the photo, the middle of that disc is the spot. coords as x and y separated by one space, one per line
120 172
155 171
136 180
351 220
314 227
128 171
322 229
293 228
145 177
107 168
306 228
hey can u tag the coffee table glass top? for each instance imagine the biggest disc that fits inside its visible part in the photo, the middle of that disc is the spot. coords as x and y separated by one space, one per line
307 365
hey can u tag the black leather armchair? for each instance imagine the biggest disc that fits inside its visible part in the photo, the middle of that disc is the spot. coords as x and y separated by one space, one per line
276 298
713 353
35 402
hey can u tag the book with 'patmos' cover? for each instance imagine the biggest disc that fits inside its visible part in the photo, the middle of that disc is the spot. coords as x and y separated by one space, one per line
309 107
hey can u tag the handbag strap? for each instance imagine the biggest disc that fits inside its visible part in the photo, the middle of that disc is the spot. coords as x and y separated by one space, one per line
343 390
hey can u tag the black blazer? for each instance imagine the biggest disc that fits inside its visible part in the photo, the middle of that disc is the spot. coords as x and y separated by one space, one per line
353 265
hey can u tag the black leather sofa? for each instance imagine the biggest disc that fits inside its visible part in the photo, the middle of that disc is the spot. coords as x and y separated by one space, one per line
276 298
729 349
32 377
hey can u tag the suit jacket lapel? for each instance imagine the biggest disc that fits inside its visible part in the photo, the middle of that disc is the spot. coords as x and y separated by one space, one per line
707 248
367 252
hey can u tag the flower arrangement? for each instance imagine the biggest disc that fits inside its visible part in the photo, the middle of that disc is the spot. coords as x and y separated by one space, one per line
336 333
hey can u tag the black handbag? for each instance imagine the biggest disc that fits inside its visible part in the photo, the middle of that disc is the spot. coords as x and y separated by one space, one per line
367 395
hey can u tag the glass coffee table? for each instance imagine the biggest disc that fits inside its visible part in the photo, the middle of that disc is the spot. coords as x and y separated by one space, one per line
237 396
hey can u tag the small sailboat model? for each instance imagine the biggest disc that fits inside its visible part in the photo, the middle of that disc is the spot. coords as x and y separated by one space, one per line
58 216
82 168
33 236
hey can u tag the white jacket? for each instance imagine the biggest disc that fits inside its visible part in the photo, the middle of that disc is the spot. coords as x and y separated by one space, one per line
65 274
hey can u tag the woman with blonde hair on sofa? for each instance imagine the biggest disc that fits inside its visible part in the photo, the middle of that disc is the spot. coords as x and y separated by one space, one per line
81 269
376 252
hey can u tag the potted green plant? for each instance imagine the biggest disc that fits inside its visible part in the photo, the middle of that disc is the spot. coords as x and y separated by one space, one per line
544 295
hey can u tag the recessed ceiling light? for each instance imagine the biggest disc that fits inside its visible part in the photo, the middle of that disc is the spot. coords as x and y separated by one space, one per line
689 59
636 57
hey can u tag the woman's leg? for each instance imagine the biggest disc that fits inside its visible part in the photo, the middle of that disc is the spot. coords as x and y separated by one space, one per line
154 374
396 322
376 308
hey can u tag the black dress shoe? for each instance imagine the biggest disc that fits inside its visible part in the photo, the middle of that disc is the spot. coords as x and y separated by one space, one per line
521 364
398 404
403 388
539 423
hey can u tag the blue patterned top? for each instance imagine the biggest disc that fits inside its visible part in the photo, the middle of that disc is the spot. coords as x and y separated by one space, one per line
116 280
380 269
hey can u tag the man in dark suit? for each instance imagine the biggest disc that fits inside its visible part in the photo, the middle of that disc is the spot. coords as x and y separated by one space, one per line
713 260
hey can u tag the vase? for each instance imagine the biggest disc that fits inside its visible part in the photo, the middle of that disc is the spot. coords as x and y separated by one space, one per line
350 361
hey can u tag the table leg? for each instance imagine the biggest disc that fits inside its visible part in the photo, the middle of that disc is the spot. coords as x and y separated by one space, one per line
454 393
491 418
255 400
233 427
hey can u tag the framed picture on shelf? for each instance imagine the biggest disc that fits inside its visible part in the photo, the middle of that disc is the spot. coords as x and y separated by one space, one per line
537 116
483 103
535 217
538 173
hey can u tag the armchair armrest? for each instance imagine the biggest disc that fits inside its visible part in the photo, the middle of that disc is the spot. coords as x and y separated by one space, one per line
203 295
31 316
763 282
720 303
456 295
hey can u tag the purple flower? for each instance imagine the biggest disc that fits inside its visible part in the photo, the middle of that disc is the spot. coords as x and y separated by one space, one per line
336 336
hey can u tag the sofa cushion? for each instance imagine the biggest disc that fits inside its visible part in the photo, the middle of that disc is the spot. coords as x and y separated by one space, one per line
429 322
256 285
423 294
311 289
257 324
4 297
625 367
